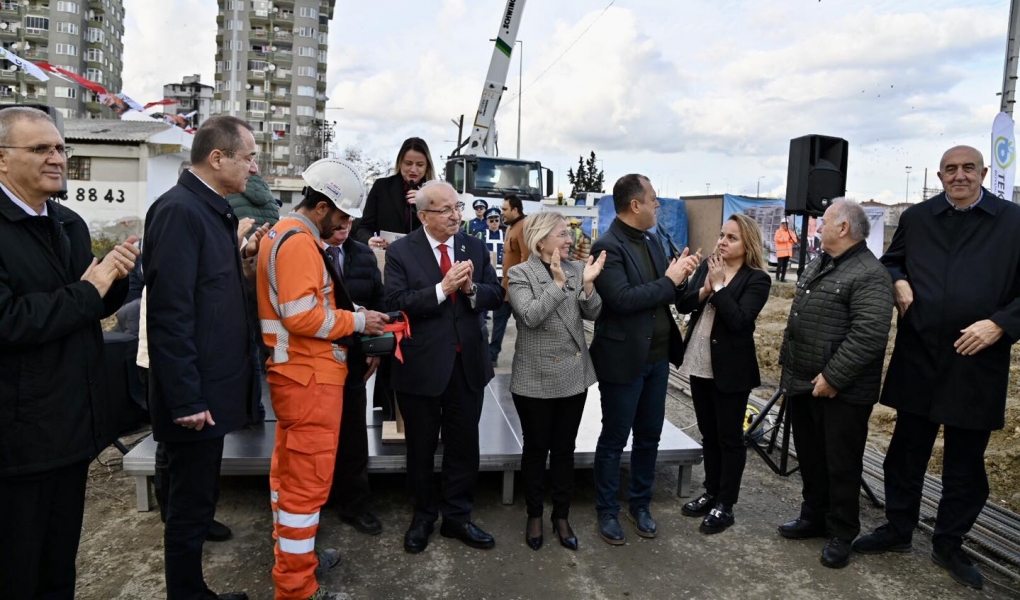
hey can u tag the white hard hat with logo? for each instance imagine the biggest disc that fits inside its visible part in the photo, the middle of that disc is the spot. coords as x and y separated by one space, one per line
339 181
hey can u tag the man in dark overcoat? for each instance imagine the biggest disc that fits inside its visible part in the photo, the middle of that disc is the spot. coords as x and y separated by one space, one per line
203 372
955 263
53 415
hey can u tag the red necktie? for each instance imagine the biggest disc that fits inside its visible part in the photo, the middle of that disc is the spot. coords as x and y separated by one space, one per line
444 260
444 266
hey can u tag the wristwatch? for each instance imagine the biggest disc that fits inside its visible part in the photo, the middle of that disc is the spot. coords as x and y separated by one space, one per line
474 288
717 287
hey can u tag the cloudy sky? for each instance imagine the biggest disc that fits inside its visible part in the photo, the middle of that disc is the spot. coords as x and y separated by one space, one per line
699 95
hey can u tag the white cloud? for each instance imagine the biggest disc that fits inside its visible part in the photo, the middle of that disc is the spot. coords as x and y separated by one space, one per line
693 92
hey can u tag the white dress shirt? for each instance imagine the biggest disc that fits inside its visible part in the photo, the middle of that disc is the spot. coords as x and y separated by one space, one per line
437 254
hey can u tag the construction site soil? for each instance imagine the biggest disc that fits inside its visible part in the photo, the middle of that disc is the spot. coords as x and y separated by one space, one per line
1003 455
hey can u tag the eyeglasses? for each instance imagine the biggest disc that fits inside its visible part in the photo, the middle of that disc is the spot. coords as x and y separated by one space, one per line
250 159
446 212
46 149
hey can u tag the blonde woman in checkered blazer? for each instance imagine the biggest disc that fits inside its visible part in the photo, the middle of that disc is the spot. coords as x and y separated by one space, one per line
552 370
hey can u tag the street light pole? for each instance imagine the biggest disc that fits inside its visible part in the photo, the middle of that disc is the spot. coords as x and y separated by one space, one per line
757 193
906 195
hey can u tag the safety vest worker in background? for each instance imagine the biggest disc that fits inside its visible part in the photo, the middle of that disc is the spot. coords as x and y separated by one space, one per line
305 311
785 239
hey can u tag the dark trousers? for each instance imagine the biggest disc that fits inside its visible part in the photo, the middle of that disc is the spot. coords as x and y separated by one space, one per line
350 474
456 411
964 481
639 405
830 436
500 317
550 427
721 422
193 486
781 264
43 515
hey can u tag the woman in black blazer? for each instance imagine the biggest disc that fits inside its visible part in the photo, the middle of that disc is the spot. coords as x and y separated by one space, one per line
725 295
390 203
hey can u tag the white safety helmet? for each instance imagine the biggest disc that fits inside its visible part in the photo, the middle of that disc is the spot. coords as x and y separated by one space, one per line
339 181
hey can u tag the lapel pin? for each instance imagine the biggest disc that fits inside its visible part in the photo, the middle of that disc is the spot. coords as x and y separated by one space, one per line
462 248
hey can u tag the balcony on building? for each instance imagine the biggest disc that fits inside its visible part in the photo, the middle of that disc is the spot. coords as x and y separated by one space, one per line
258 17
97 6
283 56
10 7
34 33
256 75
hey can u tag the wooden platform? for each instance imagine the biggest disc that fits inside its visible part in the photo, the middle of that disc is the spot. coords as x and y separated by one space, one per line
248 451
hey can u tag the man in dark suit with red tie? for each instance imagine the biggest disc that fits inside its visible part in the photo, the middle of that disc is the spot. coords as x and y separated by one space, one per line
443 280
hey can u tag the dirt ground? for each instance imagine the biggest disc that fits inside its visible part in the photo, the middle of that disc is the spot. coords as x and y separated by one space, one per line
1003 455
121 551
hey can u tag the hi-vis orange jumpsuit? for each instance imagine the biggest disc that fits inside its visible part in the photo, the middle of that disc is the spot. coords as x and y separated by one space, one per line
306 376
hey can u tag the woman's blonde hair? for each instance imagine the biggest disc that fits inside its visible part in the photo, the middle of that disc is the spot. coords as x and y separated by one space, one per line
538 226
754 247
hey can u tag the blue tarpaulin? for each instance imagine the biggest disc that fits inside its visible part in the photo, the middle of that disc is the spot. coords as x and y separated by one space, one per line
671 229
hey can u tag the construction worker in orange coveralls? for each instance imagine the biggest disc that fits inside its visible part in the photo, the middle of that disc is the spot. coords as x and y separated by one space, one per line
305 312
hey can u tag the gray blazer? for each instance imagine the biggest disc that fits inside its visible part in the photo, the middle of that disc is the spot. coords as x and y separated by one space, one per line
551 358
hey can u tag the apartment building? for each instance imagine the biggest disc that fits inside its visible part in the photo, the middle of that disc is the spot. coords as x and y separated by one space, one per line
193 98
271 72
85 37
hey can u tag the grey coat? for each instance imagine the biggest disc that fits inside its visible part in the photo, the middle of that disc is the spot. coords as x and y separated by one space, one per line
551 357
839 326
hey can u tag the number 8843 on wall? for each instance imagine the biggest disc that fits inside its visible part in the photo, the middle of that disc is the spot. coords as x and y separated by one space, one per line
96 194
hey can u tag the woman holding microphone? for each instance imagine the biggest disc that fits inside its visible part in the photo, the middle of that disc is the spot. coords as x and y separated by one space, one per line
552 370
724 297
390 203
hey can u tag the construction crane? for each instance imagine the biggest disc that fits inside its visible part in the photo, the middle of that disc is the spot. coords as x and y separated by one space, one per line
477 171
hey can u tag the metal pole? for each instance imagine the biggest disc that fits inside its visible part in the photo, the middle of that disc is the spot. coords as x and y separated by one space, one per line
1012 51
906 195
520 97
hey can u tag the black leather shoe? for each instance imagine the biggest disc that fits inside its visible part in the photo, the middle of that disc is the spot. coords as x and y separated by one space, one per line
417 537
610 530
232 596
699 506
717 520
642 520
802 529
959 566
533 542
881 540
218 532
365 523
836 553
567 541
469 533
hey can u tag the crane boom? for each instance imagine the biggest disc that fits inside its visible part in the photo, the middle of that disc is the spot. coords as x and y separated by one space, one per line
483 135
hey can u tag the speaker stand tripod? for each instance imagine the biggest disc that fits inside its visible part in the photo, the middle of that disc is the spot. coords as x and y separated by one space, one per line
784 450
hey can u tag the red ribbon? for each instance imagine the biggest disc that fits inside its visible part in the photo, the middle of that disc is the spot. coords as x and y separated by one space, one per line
399 329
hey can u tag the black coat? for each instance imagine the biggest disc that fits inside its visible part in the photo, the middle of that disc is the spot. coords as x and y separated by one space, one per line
839 326
363 281
956 282
202 350
623 332
386 209
52 407
734 359
412 273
